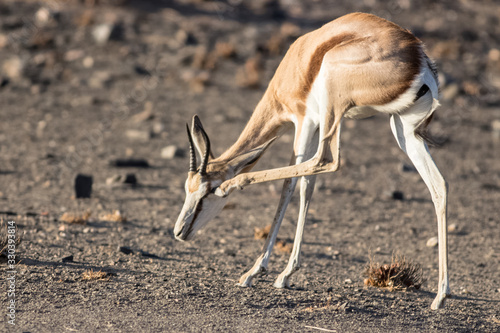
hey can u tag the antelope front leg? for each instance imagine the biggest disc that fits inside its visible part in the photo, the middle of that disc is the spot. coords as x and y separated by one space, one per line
306 192
261 263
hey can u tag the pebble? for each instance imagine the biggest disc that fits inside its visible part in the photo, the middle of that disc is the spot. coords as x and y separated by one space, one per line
453 227
101 33
42 17
83 186
125 249
432 242
40 128
158 128
13 67
67 258
138 135
3 40
129 178
73 55
88 62
408 168
171 151
99 80
495 129
398 195
450 91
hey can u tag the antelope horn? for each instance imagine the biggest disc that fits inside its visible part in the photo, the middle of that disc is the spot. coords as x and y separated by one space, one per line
192 153
204 163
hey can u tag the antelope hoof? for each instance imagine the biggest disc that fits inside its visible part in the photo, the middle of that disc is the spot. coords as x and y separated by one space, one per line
438 302
281 282
220 192
245 281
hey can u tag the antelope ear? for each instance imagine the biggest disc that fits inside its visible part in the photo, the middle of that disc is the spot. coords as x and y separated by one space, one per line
248 159
199 136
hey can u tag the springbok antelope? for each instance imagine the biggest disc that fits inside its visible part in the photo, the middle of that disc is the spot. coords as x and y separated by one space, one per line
354 67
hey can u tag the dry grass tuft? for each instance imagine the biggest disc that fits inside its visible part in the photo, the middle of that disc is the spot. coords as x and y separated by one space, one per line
281 245
91 275
261 233
116 216
401 274
75 218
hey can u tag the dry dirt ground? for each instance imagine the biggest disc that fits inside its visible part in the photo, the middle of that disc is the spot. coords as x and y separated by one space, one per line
84 83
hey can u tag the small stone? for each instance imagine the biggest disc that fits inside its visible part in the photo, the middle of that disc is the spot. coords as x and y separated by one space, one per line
99 80
42 16
138 135
113 180
450 91
432 242
88 62
171 151
348 281
3 40
453 227
73 55
398 195
67 258
408 168
101 33
495 129
40 128
129 178
158 128
125 249
83 186
13 67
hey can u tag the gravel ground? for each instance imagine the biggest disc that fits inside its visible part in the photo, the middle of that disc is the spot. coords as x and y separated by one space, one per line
86 83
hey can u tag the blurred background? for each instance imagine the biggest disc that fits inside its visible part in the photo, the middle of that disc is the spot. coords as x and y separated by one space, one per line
85 82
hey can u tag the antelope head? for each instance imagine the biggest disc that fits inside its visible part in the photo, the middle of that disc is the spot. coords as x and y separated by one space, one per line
202 203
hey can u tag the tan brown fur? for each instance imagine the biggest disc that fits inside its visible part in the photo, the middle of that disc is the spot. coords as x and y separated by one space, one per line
371 61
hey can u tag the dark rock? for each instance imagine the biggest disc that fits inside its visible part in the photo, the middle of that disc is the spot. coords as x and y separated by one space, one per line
3 82
149 255
83 186
408 168
67 259
125 249
171 151
398 195
130 162
130 178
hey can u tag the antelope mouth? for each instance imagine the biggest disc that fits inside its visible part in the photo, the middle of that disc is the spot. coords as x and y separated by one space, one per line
186 232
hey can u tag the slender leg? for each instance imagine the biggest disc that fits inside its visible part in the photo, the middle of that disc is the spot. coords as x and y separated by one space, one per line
261 263
306 192
302 138
403 128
